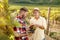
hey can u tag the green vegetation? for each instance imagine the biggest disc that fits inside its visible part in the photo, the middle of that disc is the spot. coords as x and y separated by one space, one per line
54 15
54 2
55 35
6 25
55 11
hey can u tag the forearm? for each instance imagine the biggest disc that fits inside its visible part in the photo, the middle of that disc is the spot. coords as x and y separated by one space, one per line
41 27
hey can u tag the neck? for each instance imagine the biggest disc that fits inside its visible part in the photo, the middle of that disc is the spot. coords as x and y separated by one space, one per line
37 18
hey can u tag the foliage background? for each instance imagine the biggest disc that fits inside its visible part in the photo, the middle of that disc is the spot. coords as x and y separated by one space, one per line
7 7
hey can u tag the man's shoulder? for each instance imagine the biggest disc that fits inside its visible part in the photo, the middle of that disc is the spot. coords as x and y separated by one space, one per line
32 18
42 18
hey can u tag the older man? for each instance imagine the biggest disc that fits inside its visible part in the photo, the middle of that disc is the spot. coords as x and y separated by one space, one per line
40 23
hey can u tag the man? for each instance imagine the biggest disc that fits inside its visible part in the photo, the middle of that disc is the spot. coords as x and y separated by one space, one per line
40 25
20 32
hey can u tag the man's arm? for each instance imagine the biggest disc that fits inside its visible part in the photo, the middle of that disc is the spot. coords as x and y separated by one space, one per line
41 27
44 24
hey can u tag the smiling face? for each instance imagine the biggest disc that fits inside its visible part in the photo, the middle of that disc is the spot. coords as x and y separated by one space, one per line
23 13
36 13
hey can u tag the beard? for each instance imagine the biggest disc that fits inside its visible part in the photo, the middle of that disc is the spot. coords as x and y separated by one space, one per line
23 16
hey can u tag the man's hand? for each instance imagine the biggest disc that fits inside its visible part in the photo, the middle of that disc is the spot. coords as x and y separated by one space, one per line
35 25
41 27
31 25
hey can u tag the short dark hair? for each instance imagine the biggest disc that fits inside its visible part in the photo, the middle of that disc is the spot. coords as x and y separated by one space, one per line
24 9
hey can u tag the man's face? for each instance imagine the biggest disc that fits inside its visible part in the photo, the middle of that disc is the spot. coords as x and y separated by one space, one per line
36 13
23 13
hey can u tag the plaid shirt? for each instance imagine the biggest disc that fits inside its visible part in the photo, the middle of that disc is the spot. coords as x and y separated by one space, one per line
21 30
